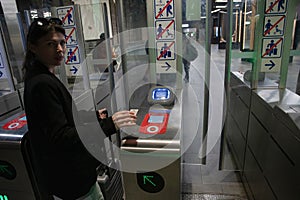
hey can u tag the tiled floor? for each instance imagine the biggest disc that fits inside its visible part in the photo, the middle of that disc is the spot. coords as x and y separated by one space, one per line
210 197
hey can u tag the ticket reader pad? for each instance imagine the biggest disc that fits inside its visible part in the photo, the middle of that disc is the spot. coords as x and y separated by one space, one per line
156 121
156 141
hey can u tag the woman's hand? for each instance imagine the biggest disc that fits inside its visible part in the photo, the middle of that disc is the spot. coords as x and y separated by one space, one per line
102 113
124 118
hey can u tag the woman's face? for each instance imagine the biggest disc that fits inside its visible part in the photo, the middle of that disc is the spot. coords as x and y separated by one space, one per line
50 49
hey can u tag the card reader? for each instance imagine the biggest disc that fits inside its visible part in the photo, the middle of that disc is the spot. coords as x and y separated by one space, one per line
161 95
154 123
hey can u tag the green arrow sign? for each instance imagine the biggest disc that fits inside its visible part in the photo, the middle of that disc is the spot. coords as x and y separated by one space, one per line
150 181
7 170
3 169
147 178
3 197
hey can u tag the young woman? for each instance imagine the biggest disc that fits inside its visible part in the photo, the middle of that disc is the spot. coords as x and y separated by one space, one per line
64 167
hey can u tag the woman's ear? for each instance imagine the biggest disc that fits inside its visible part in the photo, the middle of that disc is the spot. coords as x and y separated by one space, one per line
32 47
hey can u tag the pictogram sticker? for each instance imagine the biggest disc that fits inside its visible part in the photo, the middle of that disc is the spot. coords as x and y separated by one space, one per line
164 9
276 6
66 15
72 55
166 66
270 64
272 47
74 70
70 36
165 29
274 25
165 50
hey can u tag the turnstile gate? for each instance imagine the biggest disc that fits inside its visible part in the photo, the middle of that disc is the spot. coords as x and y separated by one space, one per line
16 174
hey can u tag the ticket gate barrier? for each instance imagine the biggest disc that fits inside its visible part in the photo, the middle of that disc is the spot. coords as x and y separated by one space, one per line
16 174
150 153
147 183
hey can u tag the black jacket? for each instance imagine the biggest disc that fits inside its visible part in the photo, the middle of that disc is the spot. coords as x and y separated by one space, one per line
67 168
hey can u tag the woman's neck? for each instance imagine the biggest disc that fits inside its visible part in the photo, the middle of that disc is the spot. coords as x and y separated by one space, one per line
51 69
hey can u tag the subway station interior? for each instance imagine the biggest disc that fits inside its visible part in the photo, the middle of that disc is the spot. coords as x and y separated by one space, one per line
215 85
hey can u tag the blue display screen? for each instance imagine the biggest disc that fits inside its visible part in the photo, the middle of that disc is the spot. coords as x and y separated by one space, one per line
161 94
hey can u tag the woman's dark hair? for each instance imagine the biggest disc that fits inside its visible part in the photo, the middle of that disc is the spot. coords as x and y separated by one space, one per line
39 28
104 112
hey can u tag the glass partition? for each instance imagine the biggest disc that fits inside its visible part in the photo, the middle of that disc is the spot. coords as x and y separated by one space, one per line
6 81
12 51
248 24
262 52
293 79
11 59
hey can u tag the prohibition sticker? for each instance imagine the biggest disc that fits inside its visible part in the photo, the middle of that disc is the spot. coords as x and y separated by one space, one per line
276 6
165 50
70 36
164 9
72 56
165 29
274 25
271 47
66 15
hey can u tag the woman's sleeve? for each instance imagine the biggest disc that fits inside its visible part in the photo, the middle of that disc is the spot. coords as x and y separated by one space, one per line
108 126
52 115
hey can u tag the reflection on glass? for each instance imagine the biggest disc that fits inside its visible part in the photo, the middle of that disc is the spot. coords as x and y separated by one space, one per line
249 12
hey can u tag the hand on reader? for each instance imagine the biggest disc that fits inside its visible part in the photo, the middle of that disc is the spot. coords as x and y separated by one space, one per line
124 118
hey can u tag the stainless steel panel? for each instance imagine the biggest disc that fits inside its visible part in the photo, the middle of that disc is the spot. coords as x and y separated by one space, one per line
171 176
236 141
271 160
155 153
21 184
258 140
149 149
278 96
282 175
240 112
9 104
287 139
174 144
289 116
11 151
275 163
240 87
262 110
258 184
